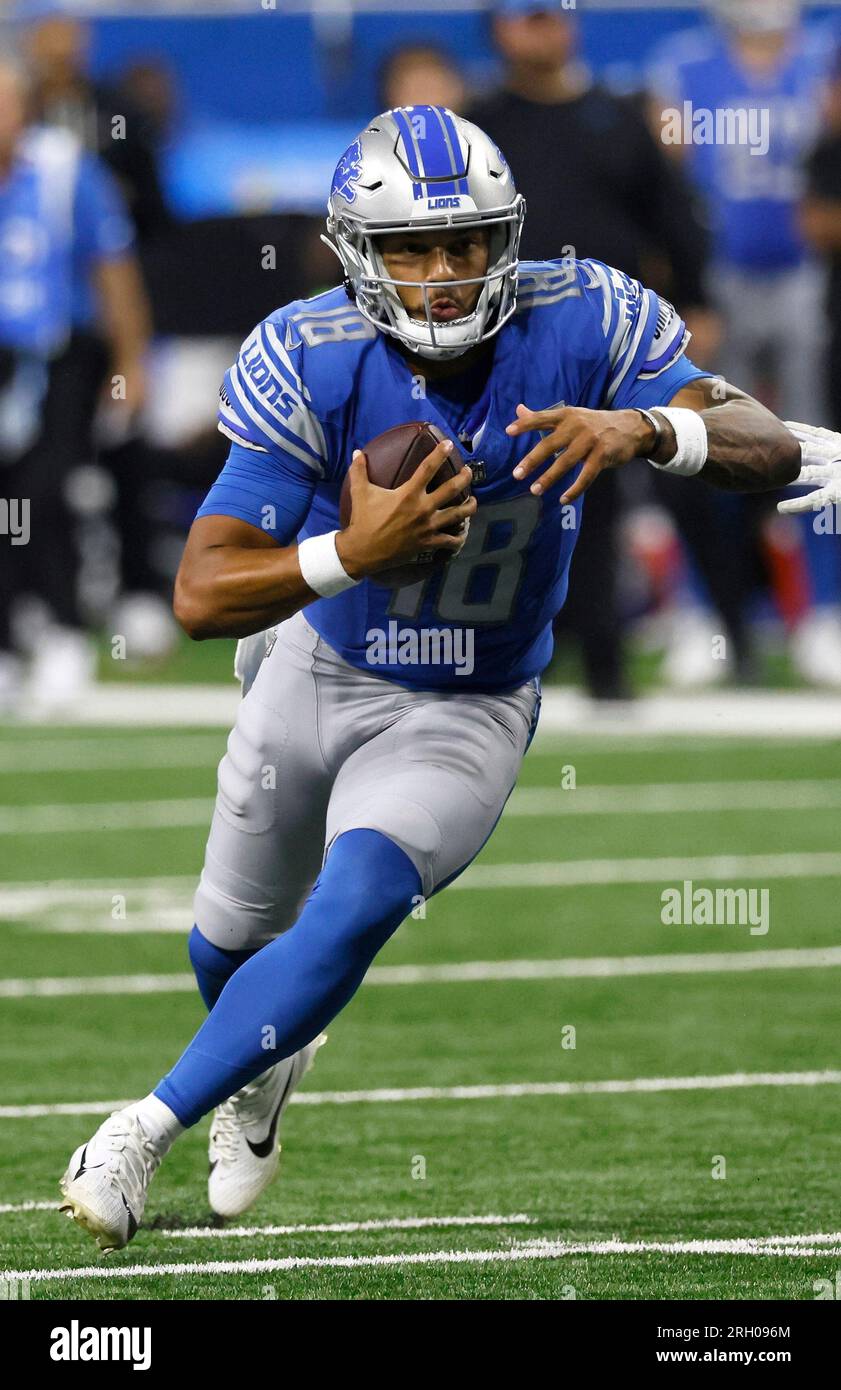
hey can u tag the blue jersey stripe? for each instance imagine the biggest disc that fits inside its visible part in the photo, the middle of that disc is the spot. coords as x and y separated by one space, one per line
267 428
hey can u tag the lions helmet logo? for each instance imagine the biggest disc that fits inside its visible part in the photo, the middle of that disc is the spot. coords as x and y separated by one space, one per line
348 172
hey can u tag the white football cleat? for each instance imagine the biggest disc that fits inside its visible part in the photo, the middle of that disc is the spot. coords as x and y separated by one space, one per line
243 1150
105 1183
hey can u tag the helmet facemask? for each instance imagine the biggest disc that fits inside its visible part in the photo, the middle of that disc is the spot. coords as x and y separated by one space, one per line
377 294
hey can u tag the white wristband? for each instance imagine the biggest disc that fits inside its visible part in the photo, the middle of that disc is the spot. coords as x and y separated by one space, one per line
692 442
321 567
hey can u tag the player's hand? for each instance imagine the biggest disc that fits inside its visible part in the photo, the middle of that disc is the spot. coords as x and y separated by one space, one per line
599 439
821 469
392 526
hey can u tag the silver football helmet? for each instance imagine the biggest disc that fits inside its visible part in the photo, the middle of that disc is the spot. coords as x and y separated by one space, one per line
757 16
414 169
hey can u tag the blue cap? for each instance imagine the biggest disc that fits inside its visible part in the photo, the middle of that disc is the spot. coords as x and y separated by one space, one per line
512 8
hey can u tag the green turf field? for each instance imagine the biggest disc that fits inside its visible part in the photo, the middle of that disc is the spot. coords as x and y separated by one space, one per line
560 1193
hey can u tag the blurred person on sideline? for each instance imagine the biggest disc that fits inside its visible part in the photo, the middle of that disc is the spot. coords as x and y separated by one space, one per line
55 43
68 274
109 123
421 73
757 61
596 184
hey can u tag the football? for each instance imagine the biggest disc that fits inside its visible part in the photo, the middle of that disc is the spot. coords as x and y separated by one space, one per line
392 458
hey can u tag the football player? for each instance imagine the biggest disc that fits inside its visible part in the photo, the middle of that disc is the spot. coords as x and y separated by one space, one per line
351 790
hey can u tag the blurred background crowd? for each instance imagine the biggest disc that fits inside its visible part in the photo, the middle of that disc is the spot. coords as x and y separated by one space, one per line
163 175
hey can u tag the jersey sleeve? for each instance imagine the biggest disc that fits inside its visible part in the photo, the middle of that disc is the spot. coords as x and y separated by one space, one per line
265 406
644 341
102 226
268 492
279 451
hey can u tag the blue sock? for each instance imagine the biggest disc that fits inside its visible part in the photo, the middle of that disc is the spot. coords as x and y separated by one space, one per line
213 966
281 998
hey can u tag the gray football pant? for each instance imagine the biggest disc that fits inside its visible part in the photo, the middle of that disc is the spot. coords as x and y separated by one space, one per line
320 748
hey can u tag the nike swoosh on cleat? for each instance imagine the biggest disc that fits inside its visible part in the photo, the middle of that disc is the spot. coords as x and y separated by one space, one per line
86 1168
132 1224
265 1146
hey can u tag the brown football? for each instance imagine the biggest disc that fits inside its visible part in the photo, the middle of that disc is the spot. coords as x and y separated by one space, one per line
392 458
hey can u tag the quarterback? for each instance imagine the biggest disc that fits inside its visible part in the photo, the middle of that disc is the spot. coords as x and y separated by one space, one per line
352 790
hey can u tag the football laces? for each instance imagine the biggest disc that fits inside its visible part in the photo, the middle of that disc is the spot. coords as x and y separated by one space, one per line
821 469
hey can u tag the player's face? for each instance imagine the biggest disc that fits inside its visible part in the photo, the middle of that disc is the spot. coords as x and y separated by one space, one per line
438 259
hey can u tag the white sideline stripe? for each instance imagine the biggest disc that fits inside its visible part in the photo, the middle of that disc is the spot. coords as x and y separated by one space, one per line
667 797
340 1228
512 1091
526 1250
656 799
465 972
771 715
103 754
20 900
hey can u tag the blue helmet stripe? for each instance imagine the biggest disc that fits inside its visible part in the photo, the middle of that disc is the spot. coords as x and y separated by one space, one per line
447 120
409 146
435 151
434 155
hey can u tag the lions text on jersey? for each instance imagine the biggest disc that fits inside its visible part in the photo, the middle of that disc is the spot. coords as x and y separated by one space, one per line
315 381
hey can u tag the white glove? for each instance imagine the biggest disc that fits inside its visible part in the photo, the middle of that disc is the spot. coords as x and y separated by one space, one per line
821 469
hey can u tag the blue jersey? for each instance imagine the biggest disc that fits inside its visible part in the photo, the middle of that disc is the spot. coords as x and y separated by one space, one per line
60 213
315 381
753 187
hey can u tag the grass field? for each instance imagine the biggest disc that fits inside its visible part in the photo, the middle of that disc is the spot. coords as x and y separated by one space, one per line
535 1183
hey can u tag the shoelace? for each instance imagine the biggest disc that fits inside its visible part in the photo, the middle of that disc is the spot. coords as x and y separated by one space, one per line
232 1114
134 1155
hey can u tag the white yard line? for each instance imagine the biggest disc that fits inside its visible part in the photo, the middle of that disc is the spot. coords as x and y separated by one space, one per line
7 1208
577 873
69 817
340 1228
545 802
148 896
464 972
110 754
509 1091
668 797
526 1250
